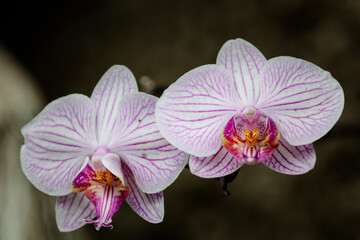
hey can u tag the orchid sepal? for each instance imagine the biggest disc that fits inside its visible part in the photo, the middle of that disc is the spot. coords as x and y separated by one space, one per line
72 211
220 164
292 160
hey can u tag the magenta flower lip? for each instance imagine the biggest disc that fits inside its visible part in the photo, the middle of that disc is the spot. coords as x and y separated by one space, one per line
94 153
246 109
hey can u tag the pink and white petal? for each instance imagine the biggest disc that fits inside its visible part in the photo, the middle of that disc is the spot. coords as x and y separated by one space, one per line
292 160
193 111
245 62
112 162
73 211
113 85
220 164
57 142
154 162
149 206
304 100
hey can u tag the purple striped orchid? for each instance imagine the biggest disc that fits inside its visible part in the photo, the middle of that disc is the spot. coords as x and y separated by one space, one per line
94 153
247 110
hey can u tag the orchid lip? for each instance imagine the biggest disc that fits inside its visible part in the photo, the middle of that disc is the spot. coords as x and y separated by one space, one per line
104 190
250 136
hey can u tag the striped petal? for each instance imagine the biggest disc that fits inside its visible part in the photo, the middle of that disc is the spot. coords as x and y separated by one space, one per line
245 62
113 85
148 206
292 160
154 162
220 164
193 111
57 142
73 211
304 100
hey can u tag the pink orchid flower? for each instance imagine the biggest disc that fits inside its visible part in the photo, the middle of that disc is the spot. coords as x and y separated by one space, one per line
94 153
247 110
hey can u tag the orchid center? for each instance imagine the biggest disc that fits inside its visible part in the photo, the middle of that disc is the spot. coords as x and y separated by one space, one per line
250 136
107 178
105 190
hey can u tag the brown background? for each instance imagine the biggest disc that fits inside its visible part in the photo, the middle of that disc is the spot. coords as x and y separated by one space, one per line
67 46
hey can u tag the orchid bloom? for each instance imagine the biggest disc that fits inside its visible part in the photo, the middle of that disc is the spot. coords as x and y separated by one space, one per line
94 153
247 110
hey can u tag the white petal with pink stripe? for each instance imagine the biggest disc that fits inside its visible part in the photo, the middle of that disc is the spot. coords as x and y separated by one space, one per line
304 100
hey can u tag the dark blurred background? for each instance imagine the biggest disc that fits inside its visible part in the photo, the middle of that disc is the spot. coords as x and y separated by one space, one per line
66 46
